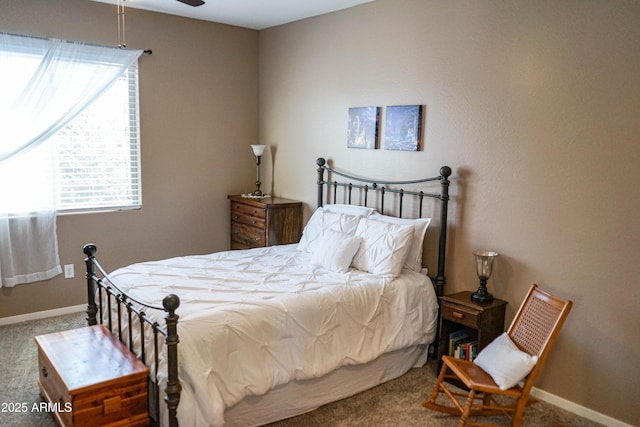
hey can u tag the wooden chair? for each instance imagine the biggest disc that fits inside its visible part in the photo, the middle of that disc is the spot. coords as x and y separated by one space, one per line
533 330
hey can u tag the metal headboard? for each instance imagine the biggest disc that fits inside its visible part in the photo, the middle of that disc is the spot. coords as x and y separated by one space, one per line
380 188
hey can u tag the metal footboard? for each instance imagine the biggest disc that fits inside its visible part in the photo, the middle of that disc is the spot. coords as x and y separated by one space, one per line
105 300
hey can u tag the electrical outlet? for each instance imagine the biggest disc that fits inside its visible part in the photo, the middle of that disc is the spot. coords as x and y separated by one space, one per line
68 271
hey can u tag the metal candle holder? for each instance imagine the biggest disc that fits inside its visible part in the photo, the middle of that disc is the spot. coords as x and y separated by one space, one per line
484 262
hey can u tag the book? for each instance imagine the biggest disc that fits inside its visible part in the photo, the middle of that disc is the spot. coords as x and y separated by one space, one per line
455 339
471 350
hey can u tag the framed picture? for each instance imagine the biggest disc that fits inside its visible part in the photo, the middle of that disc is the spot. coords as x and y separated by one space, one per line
403 126
363 127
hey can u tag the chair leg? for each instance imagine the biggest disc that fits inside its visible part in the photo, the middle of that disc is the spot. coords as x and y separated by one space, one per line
518 411
486 399
467 408
436 388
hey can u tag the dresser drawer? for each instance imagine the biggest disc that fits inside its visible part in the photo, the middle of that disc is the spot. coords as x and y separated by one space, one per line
460 314
253 221
247 236
246 210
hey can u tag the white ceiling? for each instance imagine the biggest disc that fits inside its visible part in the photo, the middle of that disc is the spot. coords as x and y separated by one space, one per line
255 14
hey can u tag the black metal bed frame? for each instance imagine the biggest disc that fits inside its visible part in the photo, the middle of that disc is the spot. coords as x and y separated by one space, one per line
104 296
381 188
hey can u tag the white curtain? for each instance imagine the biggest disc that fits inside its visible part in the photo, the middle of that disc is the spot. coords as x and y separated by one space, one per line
44 83
28 244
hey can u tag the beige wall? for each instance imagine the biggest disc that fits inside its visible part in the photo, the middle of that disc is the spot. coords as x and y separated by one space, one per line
198 109
534 104
536 107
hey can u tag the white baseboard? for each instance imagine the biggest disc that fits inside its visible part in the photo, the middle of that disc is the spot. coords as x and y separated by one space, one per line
42 314
580 410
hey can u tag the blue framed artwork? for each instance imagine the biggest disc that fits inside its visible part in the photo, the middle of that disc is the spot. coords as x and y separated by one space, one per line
403 127
363 127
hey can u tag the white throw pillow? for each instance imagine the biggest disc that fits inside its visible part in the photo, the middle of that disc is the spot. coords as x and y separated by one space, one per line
349 209
321 221
505 362
335 251
420 225
384 247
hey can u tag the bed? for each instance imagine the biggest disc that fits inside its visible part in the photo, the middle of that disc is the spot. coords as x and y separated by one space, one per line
249 337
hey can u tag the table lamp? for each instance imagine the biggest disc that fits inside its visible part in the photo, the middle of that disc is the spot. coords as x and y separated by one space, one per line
258 150
484 262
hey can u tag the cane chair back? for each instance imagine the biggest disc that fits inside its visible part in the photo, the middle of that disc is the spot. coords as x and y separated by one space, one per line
536 325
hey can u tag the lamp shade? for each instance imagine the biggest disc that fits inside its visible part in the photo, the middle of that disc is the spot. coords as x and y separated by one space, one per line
484 261
258 149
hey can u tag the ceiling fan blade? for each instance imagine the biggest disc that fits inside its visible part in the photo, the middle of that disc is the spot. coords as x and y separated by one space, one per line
192 2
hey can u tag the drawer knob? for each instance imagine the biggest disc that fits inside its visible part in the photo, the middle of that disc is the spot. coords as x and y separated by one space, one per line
457 315
45 373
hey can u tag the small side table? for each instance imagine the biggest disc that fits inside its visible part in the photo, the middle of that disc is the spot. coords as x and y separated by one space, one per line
483 322
270 221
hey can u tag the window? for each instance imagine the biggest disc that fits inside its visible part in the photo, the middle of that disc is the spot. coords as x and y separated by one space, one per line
68 142
97 154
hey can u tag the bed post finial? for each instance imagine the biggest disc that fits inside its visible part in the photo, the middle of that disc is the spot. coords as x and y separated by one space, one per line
92 309
90 250
171 303
441 280
321 166
172 391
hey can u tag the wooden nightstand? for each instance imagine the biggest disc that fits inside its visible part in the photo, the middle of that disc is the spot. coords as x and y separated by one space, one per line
481 323
270 221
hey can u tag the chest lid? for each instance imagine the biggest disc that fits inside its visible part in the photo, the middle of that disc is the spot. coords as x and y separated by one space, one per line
89 356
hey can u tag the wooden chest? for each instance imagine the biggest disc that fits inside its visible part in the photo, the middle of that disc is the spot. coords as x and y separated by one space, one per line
89 378
263 222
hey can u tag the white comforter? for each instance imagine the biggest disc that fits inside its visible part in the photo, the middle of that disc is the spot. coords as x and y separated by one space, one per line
252 320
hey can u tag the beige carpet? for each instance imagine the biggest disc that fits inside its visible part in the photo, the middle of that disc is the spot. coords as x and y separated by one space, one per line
19 367
396 403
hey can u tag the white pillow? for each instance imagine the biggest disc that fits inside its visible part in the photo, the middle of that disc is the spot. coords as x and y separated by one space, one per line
349 209
335 251
505 362
414 258
384 247
321 221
